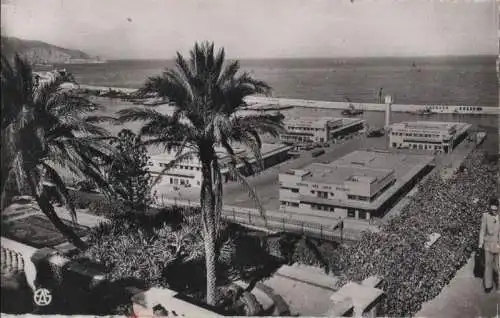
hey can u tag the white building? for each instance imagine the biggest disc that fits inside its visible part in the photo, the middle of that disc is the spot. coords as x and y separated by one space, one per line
427 135
188 172
317 130
357 187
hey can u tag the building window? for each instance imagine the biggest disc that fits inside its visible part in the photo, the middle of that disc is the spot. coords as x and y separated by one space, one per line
312 191
362 215
322 194
351 213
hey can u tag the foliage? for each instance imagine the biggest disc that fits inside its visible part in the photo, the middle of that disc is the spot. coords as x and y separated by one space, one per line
412 273
86 186
131 247
207 95
129 177
159 252
47 130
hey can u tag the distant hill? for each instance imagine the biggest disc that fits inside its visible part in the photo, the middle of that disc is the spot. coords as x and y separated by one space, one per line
38 52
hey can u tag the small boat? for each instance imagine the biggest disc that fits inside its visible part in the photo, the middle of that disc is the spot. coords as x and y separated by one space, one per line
414 66
351 111
424 112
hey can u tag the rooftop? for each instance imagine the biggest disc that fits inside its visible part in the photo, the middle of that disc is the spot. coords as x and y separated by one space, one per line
431 125
398 162
367 166
311 121
337 174
404 166
239 150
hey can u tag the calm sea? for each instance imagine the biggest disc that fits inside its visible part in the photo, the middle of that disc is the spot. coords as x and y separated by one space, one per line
452 81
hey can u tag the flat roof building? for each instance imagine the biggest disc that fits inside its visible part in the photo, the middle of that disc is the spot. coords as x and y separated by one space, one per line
317 130
427 135
357 187
188 172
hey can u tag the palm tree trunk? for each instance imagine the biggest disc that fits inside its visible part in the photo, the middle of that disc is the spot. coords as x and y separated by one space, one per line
48 210
210 264
209 231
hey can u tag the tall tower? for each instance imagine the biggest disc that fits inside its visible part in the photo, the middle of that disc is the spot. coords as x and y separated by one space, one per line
388 103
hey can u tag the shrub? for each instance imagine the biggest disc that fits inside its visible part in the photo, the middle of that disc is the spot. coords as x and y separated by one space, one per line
159 253
129 176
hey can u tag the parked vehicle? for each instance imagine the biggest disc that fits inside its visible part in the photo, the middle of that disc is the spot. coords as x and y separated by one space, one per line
318 152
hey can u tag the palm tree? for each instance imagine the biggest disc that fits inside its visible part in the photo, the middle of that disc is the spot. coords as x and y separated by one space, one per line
207 93
46 130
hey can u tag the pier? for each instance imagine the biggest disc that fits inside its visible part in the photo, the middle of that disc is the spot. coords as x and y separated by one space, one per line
273 103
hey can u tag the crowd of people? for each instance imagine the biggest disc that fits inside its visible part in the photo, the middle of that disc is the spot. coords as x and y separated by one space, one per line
412 272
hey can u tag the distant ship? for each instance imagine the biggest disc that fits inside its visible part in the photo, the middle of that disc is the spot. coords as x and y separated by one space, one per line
414 66
424 112
351 111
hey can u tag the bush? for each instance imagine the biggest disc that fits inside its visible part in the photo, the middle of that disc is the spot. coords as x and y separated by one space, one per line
155 251
131 247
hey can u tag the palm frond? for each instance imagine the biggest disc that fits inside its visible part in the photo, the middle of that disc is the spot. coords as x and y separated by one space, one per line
53 176
252 193
139 114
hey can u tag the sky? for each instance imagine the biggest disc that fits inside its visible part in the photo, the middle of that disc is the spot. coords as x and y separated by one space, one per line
258 28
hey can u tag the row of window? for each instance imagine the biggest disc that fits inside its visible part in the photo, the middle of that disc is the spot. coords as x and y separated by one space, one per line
351 213
357 197
322 207
420 146
305 128
294 190
164 165
295 138
181 181
415 135
288 203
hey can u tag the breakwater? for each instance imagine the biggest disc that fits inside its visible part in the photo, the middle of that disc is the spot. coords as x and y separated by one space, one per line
262 103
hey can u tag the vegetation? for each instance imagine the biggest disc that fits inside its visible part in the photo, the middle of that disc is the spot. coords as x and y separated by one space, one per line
207 95
159 251
129 177
46 129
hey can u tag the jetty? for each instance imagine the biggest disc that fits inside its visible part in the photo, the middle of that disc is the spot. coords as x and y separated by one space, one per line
268 103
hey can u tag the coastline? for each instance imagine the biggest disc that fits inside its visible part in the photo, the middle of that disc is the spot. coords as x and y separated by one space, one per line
259 102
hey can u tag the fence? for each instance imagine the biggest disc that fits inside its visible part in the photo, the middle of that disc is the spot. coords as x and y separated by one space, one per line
252 217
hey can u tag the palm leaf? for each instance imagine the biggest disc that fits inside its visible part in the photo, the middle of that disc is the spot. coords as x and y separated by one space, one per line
53 176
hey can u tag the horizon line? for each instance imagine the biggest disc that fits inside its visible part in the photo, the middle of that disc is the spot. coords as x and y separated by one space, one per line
493 55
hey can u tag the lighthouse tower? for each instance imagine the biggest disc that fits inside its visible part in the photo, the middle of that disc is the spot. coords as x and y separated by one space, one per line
388 103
